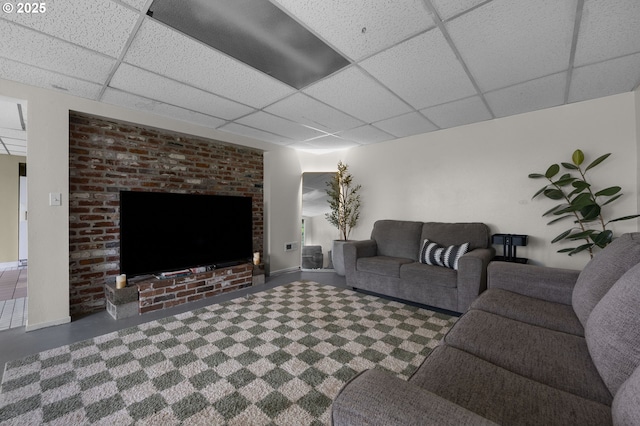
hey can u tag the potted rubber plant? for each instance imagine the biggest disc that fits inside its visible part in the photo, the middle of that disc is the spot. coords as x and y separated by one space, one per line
344 202
579 203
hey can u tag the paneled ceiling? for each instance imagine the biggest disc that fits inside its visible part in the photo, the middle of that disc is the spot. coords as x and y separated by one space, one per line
415 66
13 125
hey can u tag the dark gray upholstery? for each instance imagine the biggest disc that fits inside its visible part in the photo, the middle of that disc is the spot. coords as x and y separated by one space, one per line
613 330
551 315
388 263
626 404
556 359
603 271
519 355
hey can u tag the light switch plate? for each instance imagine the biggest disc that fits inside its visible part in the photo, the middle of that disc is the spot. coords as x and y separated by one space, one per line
55 199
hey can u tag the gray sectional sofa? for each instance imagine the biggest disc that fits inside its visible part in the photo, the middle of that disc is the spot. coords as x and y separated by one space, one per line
541 346
389 263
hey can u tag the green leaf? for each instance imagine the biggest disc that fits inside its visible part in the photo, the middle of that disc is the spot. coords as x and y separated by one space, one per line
590 212
608 192
552 171
624 218
566 250
554 194
582 200
610 200
561 236
580 184
577 157
540 191
559 219
580 248
570 166
536 175
564 180
603 238
551 210
581 235
597 161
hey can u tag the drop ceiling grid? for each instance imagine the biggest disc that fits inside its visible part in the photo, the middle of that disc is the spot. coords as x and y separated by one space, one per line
162 50
545 92
255 133
447 9
588 82
423 71
358 95
278 126
300 107
37 77
128 78
37 49
502 42
458 113
608 29
100 25
341 22
406 125
117 97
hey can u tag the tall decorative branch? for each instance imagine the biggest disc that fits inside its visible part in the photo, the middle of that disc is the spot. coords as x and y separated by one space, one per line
344 201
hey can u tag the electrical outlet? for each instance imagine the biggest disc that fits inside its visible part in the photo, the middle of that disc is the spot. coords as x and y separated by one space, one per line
291 246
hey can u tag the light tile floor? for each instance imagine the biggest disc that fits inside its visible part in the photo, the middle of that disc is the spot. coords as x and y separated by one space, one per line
13 297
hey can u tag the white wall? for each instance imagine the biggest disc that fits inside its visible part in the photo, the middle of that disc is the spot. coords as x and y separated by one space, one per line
48 148
479 172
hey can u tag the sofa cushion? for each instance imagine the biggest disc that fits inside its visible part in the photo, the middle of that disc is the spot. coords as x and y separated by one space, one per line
554 316
603 271
556 359
626 405
422 274
447 234
382 265
435 254
613 330
397 238
502 396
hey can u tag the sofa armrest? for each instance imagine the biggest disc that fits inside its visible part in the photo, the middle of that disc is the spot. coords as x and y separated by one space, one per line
551 284
352 251
472 275
378 398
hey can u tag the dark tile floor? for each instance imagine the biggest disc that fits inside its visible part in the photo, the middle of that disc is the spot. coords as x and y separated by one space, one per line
16 343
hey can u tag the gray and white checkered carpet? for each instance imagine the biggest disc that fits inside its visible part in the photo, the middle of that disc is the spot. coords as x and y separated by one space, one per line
279 357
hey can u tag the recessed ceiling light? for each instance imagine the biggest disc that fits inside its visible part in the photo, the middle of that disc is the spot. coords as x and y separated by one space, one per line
255 32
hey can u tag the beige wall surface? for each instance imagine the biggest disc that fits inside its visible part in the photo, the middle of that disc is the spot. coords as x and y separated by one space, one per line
9 203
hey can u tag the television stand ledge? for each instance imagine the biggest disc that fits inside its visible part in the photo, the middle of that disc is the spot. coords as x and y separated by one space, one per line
153 294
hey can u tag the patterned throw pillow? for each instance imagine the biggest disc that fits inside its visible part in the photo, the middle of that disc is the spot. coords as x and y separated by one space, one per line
433 253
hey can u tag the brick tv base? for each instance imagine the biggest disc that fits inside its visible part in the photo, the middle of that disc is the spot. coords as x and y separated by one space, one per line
154 294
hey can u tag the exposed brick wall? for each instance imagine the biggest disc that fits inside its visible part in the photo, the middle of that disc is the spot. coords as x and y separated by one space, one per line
165 293
106 156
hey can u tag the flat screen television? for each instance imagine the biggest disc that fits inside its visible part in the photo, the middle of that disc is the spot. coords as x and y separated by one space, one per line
161 232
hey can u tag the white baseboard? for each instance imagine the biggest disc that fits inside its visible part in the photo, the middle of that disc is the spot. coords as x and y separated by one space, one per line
38 326
284 271
9 265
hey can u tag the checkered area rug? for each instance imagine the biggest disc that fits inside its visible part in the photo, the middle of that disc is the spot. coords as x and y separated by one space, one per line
279 357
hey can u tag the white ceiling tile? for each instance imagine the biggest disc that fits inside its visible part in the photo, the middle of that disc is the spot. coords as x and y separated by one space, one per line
360 28
357 94
608 29
328 143
33 48
26 74
458 113
116 97
365 135
545 92
170 53
270 123
306 110
510 41
143 83
605 78
136 4
448 9
406 125
423 71
100 25
239 129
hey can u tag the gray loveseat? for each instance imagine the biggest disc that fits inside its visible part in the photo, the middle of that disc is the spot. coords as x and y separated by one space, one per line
541 346
388 263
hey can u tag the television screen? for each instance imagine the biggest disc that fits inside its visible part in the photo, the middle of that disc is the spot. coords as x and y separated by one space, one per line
162 232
